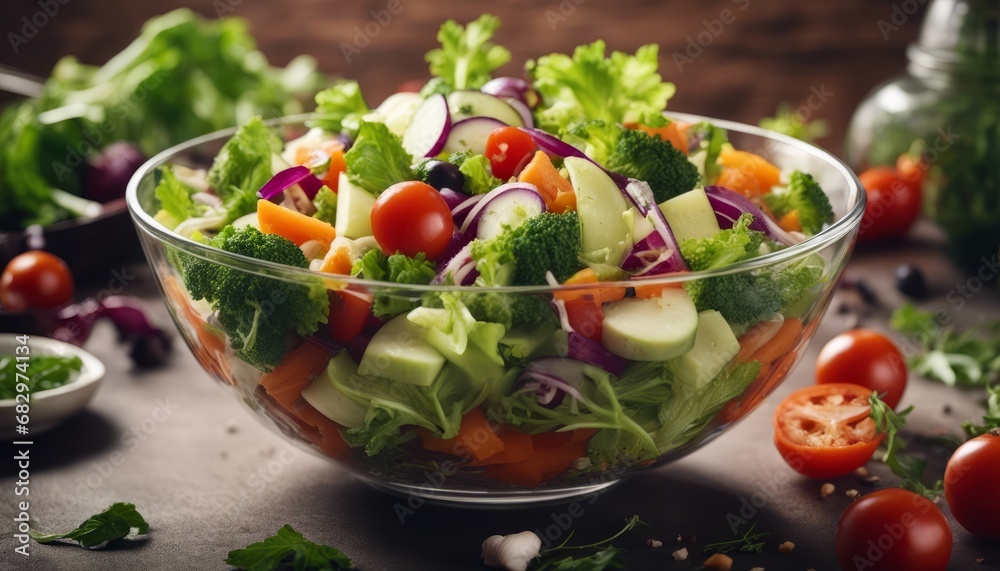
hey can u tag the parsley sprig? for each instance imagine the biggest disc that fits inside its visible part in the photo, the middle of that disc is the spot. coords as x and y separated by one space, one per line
288 549
119 521
909 468
750 541
606 558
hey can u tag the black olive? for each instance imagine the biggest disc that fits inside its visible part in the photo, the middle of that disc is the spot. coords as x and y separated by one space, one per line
151 350
910 281
442 174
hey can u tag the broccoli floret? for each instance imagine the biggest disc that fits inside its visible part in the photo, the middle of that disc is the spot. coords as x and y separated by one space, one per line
548 242
654 160
596 138
397 268
257 312
747 296
805 196
510 310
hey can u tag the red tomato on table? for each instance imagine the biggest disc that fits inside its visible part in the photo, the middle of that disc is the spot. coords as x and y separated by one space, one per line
867 358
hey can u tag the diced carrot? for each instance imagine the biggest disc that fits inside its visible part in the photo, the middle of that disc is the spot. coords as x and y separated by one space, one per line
328 437
551 185
338 259
297 369
790 222
780 344
766 173
295 226
349 311
302 155
545 464
337 165
564 203
588 276
739 181
517 447
210 350
674 132
755 338
475 437
647 290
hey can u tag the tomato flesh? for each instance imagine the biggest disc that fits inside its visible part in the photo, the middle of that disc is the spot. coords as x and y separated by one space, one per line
970 485
867 358
410 218
825 430
509 149
891 530
35 280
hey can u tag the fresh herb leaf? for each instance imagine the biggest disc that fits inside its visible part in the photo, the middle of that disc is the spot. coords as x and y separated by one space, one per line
288 549
619 88
749 541
339 108
44 372
991 419
466 58
789 122
377 160
175 200
120 520
606 558
909 468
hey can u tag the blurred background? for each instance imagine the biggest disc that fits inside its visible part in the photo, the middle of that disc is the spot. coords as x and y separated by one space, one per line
735 59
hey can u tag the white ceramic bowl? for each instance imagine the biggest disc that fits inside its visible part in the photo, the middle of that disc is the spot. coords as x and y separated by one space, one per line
51 407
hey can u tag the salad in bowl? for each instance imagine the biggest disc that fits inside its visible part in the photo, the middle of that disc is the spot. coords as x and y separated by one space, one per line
499 289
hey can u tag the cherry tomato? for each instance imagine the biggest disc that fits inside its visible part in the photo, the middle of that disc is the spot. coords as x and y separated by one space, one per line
509 149
867 358
891 530
411 217
824 431
35 280
970 485
893 204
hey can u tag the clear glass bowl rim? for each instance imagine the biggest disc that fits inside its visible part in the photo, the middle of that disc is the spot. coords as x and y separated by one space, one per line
839 229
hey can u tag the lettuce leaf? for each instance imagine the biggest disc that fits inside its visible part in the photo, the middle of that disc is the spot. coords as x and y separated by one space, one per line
339 108
243 166
466 57
590 86
377 159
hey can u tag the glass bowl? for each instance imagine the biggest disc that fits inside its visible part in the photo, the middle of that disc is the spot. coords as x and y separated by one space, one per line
493 462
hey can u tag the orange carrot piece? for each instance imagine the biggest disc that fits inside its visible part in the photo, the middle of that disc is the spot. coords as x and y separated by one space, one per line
337 165
517 447
673 132
296 371
790 222
551 185
564 203
780 344
338 259
587 276
475 437
647 290
755 165
295 226
739 181
545 464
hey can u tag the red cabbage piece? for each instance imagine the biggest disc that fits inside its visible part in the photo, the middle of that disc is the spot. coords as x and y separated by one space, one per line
729 205
590 351
299 175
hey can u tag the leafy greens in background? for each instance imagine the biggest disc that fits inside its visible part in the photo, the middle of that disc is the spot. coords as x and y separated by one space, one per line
182 77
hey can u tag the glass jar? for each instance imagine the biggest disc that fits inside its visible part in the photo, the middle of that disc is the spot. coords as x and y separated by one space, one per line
949 98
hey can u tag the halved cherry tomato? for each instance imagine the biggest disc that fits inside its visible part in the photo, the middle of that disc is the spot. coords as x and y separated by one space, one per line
891 530
411 217
35 280
509 149
825 431
867 358
893 204
970 485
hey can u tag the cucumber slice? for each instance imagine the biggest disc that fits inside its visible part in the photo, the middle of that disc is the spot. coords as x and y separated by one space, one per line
428 130
398 352
605 231
714 346
354 210
396 111
468 103
690 215
650 329
332 403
